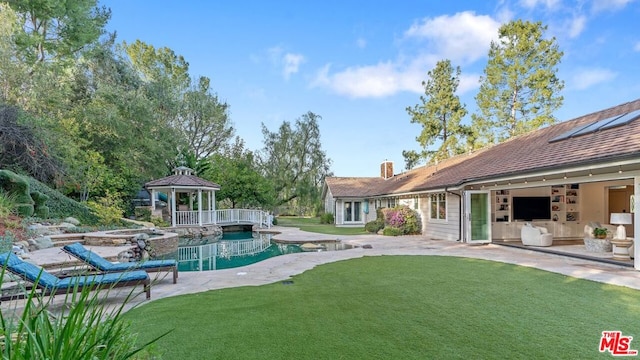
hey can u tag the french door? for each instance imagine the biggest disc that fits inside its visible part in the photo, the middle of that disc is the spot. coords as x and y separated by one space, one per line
477 216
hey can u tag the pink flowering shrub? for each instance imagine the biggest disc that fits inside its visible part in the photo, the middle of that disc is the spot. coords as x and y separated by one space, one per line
402 218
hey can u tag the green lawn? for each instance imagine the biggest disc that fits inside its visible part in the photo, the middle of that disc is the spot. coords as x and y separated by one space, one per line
313 225
396 307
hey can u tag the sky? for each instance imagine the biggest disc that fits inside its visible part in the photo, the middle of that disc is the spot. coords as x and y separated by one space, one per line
360 64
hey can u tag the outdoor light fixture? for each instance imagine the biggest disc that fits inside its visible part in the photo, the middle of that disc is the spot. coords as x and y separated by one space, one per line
621 219
619 169
565 176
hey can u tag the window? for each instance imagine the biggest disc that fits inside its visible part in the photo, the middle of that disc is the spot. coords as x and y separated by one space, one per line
438 206
391 203
416 203
608 123
352 211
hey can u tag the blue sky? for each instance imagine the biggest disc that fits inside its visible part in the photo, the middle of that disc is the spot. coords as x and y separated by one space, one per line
360 64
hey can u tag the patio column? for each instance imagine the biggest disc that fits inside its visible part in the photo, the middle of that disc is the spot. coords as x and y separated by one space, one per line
636 222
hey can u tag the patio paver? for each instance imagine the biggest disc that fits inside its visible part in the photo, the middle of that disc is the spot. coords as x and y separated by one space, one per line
280 268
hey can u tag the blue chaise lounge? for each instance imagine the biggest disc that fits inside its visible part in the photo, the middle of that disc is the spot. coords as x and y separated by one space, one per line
103 265
52 285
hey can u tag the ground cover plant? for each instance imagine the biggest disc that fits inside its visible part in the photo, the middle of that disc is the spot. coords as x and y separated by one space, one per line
312 224
396 307
80 327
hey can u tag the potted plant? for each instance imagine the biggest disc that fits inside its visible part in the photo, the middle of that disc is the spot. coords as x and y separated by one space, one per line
600 233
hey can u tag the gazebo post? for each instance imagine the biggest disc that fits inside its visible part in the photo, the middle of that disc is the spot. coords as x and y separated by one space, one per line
200 207
153 199
213 205
173 207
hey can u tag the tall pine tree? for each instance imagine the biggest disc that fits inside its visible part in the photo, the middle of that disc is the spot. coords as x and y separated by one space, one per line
519 90
440 114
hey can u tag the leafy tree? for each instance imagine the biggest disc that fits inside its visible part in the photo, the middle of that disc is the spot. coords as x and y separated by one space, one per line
519 90
11 71
188 159
165 75
111 115
204 120
411 158
241 183
293 160
54 29
439 114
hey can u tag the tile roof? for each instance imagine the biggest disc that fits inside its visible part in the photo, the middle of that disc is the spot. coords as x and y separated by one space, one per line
527 153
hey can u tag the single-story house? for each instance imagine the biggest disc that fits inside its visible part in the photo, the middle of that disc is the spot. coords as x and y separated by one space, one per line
561 176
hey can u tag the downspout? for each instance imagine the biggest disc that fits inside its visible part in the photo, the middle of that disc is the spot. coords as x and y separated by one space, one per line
459 212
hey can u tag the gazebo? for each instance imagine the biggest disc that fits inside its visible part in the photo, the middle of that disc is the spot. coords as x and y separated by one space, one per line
191 200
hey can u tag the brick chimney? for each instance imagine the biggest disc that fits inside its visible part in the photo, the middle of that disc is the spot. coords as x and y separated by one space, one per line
386 169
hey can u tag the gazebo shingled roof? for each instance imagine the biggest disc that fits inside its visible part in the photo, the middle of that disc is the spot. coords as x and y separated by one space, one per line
182 178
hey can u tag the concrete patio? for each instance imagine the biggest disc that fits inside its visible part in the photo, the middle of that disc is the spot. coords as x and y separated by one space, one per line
280 268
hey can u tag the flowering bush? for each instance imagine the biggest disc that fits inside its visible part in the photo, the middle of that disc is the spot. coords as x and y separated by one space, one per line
402 218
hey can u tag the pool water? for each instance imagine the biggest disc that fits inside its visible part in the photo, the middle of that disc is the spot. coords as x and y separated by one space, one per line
235 249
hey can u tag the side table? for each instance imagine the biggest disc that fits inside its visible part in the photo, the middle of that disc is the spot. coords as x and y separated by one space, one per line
621 248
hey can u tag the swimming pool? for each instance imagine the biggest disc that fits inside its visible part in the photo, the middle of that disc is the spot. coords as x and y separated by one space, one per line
235 249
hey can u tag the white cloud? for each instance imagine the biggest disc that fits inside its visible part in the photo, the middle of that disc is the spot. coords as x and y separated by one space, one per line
636 47
530 4
384 79
609 5
378 80
577 25
291 64
288 62
585 78
463 36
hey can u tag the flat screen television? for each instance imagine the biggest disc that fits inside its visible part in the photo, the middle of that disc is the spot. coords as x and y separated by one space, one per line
529 208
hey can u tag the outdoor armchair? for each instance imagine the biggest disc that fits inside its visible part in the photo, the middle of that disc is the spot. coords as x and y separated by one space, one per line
50 284
103 265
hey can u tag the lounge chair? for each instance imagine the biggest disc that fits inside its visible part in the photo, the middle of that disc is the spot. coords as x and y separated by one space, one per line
53 285
103 265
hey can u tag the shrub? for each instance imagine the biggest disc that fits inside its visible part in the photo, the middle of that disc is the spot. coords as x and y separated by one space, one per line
7 204
159 221
275 221
326 218
61 206
403 218
18 187
108 209
142 213
392 231
84 328
6 241
374 226
41 210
